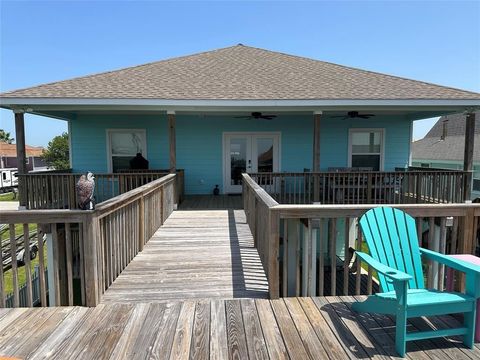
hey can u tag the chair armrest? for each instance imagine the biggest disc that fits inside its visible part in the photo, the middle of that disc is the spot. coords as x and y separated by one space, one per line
449 261
389 272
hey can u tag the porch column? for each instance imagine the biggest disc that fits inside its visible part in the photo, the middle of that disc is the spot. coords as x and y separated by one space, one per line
172 139
468 154
21 155
316 153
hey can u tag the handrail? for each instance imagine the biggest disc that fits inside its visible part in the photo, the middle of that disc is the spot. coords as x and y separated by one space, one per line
94 244
444 227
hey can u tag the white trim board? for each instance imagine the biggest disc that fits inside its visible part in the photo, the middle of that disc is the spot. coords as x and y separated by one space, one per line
6 101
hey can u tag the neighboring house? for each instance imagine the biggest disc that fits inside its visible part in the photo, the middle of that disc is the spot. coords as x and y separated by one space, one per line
443 147
8 157
205 113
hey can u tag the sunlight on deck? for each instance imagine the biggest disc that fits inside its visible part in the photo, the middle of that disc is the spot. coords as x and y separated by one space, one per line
194 255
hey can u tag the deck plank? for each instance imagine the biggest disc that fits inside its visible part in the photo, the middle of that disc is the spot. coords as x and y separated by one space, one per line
300 328
206 254
237 343
253 330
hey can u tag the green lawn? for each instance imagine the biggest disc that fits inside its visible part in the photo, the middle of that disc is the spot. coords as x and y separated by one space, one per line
7 197
8 275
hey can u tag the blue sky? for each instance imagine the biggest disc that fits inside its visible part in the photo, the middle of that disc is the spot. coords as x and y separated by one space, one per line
43 41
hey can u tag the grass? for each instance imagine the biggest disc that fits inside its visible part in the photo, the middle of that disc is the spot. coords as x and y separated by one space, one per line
7 197
21 276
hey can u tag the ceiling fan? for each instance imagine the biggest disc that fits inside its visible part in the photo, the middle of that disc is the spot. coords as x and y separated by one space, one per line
257 115
355 114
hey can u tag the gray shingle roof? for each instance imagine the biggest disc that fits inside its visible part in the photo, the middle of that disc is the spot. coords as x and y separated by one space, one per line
431 147
242 72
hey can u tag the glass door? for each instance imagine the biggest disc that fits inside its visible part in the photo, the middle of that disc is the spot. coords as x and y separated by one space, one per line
249 153
238 161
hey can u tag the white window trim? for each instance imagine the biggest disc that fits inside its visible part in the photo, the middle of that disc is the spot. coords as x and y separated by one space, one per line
109 145
382 144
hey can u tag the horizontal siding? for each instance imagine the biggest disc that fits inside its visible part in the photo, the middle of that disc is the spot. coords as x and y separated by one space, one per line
200 142
89 139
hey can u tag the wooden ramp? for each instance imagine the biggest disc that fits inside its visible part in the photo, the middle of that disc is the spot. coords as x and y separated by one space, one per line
195 255
296 328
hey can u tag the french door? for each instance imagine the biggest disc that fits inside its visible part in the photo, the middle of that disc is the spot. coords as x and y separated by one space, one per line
250 153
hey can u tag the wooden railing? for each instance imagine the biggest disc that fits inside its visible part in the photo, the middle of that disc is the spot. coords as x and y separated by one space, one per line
364 187
88 249
310 247
56 190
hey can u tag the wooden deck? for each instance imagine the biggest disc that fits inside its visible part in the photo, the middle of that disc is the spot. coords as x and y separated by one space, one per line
195 254
297 328
211 202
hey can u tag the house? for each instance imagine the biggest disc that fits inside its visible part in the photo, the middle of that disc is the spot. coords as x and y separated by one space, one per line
8 157
310 145
219 113
443 147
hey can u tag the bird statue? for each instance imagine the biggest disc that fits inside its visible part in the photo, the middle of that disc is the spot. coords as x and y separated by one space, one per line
85 189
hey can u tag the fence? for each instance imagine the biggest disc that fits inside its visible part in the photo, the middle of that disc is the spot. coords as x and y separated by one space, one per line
307 250
93 246
57 190
364 187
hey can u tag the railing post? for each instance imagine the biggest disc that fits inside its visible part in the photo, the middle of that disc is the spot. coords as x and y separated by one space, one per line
369 188
418 188
273 245
141 224
90 260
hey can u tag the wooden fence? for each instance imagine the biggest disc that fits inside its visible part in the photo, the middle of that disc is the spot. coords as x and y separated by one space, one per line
307 250
365 187
89 248
56 190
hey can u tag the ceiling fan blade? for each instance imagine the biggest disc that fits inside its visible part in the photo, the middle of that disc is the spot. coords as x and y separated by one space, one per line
269 117
242 117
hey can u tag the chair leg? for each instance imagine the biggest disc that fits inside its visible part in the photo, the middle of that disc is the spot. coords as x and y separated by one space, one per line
469 323
401 333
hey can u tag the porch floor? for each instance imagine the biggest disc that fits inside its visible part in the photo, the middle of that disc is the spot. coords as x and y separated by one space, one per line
194 255
211 202
299 328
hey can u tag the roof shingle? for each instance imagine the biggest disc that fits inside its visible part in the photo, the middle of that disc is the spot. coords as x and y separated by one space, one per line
242 73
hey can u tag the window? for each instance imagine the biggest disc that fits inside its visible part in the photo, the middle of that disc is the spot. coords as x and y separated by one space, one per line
123 145
366 148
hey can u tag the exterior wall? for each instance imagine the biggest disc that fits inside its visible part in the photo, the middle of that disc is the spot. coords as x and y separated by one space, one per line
89 139
200 142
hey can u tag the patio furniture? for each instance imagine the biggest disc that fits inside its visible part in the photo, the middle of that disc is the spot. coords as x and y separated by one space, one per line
472 260
392 240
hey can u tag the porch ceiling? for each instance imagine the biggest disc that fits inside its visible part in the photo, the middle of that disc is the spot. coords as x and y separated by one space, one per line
411 112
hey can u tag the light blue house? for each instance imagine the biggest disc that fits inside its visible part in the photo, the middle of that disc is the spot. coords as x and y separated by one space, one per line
220 113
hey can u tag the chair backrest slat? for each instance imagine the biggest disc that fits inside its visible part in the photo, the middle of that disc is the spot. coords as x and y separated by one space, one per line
392 239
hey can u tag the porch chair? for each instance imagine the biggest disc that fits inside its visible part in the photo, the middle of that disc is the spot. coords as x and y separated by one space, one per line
392 241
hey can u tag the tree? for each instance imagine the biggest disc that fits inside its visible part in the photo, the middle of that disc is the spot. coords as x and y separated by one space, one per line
5 137
56 155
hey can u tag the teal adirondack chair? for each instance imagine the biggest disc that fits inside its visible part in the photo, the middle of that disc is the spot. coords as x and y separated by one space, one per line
392 240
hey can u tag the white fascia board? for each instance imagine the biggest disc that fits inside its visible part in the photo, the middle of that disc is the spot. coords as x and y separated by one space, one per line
13 102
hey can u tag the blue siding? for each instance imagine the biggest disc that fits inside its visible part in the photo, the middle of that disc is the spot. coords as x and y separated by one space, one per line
200 145
89 139
200 142
334 140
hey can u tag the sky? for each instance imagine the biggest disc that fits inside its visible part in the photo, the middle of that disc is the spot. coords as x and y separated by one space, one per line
45 41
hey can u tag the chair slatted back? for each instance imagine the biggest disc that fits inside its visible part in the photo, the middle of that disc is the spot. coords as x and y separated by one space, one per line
391 236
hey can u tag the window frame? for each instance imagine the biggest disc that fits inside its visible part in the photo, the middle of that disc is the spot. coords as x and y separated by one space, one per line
351 131
109 133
